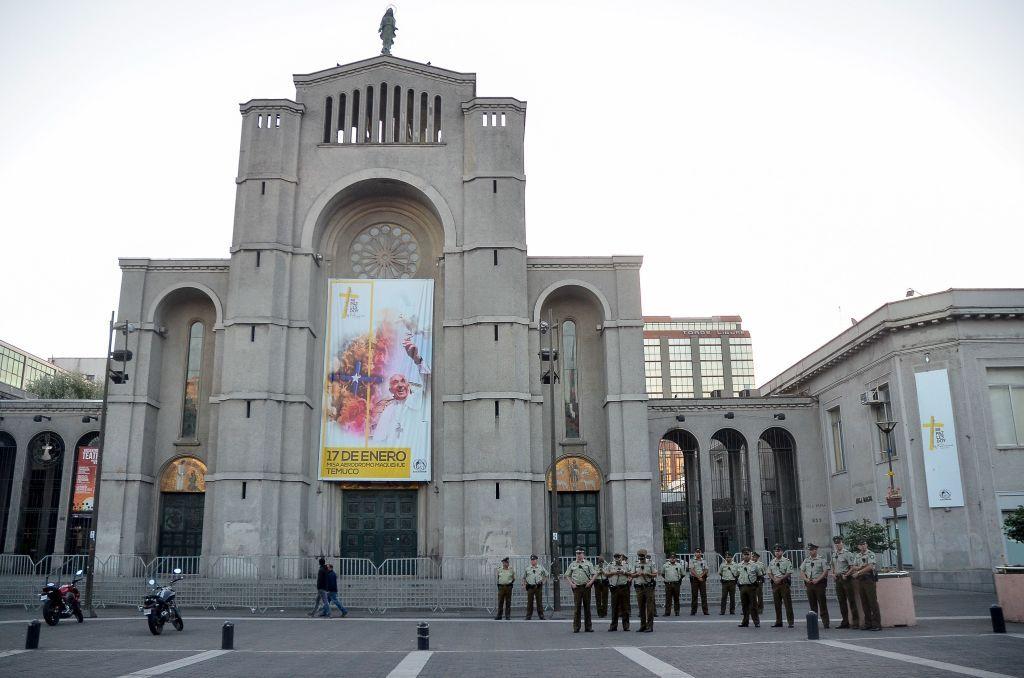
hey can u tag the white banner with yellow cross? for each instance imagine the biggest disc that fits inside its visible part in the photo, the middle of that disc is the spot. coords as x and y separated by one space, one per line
938 439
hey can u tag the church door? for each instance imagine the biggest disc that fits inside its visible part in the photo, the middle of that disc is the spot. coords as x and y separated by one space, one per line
181 524
578 523
379 524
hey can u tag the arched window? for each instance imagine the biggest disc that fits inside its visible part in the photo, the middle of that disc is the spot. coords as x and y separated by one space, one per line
8 453
328 119
682 518
40 496
780 491
730 490
570 380
193 369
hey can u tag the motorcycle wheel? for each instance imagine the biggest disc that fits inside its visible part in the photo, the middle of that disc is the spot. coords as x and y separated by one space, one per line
155 627
178 622
50 615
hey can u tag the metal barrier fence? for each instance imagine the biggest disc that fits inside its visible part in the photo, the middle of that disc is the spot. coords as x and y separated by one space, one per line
259 583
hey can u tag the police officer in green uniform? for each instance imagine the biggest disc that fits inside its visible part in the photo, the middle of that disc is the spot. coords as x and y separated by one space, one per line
506 576
842 562
781 572
814 572
755 558
864 576
618 583
698 582
601 589
747 575
533 580
580 575
644 577
727 573
672 573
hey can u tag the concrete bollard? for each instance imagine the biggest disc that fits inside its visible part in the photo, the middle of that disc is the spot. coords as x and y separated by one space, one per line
998 621
423 636
227 636
32 635
812 625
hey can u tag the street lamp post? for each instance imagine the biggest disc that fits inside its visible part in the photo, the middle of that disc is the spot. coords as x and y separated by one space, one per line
895 499
547 329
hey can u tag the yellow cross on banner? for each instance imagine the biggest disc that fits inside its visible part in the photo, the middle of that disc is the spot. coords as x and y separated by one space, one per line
931 426
348 297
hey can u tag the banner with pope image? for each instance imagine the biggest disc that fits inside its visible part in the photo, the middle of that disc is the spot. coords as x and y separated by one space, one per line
377 373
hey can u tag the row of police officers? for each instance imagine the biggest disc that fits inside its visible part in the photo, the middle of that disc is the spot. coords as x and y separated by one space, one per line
855 574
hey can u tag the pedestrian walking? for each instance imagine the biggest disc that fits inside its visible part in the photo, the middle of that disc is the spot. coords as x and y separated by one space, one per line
842 563
644 578
331 594
747 576
601 589
618 585
321 589
864 576
781 572
506 576
672 573
533 581
698 582
727 573
815 575
580 575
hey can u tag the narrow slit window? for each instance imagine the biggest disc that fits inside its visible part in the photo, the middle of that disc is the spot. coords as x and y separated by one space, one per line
496 409
252 333
494 119
328 116
248 409
277 120
495 332
570 380
258 253
263 188
497 490
410 116
396 116
382 115
259 121
355 115
341 118
495 257
243 489
423 118
368 118
494 186
502 119
437 119
485 120
193 373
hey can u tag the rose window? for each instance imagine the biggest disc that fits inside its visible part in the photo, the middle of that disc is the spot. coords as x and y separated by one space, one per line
385 251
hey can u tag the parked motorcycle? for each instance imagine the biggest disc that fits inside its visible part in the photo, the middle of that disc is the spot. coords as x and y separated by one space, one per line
159 606
60 601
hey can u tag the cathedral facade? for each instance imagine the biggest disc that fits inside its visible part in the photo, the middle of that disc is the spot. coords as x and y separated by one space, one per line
384 171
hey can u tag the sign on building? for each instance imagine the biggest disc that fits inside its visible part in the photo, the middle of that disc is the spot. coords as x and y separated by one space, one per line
938 440
377 374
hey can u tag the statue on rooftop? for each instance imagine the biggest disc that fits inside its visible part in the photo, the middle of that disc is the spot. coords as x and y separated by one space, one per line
387 30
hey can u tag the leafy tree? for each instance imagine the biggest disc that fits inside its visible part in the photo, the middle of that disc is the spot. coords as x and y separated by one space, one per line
65 386
1013 526
876 535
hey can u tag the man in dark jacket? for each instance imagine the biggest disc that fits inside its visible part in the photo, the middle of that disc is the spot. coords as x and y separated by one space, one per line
331 596
321 589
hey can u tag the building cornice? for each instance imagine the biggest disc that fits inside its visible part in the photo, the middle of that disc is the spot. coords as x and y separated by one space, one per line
585 263
264 105
40 406
383 61
132 264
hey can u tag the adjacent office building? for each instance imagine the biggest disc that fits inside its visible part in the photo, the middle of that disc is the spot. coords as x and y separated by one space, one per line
697 357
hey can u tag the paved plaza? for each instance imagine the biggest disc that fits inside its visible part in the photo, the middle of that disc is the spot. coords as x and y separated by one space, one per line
953 637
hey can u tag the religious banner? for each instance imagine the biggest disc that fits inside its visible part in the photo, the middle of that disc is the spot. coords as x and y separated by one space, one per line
377 373
576 474
938 440
84 498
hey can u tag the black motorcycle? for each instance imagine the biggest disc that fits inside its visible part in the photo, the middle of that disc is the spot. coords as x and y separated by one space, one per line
60 601
159 606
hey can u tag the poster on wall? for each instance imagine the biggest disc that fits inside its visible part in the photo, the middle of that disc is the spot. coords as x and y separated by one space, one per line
375 423
938 440
84 497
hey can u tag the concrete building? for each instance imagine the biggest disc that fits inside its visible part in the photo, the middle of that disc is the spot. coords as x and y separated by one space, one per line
697 357
91 368
227 389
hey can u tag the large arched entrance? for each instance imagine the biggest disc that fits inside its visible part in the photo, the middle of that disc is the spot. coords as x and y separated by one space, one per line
682 516
40 502
780 490
83 493
730 490
182 493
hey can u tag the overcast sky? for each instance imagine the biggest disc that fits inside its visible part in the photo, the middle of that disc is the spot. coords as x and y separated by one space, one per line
797 163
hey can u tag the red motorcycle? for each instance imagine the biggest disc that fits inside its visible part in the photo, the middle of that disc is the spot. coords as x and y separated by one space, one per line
60 601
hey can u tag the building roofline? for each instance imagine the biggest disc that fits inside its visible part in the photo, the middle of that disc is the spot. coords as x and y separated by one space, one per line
902 314
33 356
356 67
